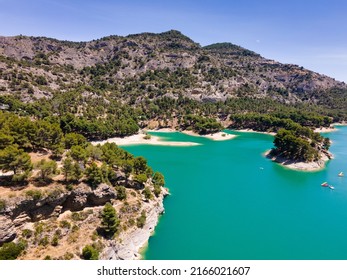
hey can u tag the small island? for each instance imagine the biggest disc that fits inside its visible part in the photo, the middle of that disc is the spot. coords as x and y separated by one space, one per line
295 151
296 146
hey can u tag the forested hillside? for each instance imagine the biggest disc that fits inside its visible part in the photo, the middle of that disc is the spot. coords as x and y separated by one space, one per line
115 85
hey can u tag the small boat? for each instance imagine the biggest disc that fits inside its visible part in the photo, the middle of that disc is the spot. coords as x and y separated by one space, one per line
325 184
331 187
341 174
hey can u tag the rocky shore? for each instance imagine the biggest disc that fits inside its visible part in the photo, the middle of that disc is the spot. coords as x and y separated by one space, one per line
300 165
129 244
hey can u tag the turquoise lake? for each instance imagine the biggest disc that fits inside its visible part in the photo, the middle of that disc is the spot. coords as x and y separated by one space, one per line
230 202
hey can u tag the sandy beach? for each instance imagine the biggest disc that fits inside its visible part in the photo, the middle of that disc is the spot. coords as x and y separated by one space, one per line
218 136
253 131
325 129
140 138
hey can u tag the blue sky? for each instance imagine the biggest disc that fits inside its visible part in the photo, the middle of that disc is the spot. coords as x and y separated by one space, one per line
310 33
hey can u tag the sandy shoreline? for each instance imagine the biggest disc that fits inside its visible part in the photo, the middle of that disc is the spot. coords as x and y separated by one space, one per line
218 136
253 131
140 139
325 129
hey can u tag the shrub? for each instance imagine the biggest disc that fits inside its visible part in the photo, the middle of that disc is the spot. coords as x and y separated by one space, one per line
68 256
141 178
44 241
140 221
90 253
34 194
65 224
10 251
147 193
55 240
121 192
27 233
157 190
158 179
2 204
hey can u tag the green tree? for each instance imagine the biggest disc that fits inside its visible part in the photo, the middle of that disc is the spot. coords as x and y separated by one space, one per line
67 168
94 175
127 169
90 253
110 221
140 165
5 140
158 179
94 152
48 135
78 153
14 159
11 250
77 172
147 193
47 168
74 139
141 178
121 193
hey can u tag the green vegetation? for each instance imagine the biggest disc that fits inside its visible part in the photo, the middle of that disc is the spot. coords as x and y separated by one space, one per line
34 194
90 253
110 220
158 181
48 106
94 175
202 125
47 169
292 141
147 193
2 204
141 221
11 250
293 146
14 159
121 193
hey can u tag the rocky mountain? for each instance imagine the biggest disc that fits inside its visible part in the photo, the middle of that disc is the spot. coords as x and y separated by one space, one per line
151 66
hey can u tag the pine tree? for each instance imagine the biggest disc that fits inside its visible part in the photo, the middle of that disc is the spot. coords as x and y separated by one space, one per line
47 168
110 221
14 159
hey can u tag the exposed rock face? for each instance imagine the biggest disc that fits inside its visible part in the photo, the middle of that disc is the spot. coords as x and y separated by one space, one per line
31 210
133 241
215 72
7 230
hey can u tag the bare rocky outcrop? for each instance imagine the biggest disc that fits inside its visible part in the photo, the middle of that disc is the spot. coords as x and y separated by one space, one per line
7 230
27 209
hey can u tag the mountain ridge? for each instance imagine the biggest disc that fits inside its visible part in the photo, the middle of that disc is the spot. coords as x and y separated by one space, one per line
230 66
153 76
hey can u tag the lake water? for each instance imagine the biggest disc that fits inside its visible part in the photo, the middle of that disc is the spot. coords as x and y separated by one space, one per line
230 202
